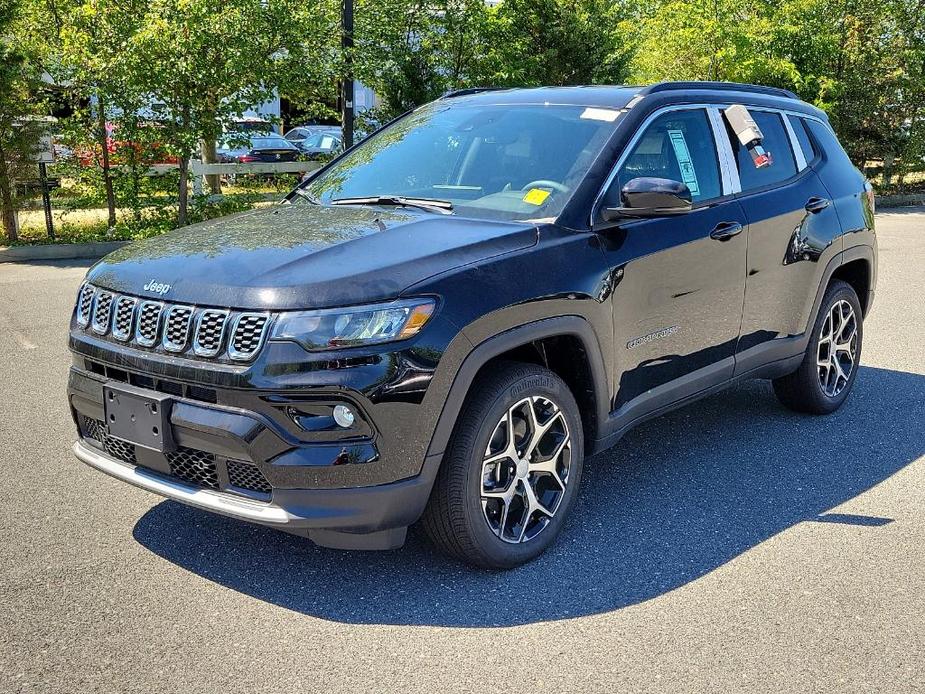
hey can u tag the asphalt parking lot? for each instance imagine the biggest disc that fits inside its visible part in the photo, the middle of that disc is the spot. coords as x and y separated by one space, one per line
729 546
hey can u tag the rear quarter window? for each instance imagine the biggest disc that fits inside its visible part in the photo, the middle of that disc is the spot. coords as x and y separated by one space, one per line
776 142
806 144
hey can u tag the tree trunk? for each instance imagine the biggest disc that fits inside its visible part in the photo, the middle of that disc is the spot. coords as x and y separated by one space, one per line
183 190
207 151
104 161
7 210
888 161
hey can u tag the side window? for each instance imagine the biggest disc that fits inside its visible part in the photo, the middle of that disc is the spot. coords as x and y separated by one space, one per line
679 146
776 143
799 128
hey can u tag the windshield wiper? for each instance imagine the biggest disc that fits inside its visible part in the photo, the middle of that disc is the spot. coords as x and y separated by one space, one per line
429 204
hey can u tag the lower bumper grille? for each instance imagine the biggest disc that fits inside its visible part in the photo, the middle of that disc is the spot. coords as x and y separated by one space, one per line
195 467
199 468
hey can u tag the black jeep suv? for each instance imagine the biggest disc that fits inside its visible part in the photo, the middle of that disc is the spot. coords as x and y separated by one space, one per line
443 322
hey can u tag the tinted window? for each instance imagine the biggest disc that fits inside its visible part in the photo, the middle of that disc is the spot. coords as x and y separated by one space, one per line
679 146
799 128
776 143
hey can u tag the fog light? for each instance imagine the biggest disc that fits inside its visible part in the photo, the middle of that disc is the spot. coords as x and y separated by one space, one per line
344 416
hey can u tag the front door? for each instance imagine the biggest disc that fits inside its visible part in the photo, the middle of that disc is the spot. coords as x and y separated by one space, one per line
678 281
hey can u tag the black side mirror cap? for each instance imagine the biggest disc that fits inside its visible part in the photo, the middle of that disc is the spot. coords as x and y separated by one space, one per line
651 197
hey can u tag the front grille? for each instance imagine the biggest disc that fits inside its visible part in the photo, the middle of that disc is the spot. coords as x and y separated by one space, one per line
123 320
85 304
248 335
247 476
117 448
102 312
149 320
175 328
195 467
210 329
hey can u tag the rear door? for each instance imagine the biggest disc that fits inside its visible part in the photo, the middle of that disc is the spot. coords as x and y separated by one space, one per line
793 230
678 281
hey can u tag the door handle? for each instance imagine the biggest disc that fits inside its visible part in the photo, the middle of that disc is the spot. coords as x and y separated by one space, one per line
815 205
725 231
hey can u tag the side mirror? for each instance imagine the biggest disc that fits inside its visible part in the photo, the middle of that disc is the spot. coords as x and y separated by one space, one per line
651 197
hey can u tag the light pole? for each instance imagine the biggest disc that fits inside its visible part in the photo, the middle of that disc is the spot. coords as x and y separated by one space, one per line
347 84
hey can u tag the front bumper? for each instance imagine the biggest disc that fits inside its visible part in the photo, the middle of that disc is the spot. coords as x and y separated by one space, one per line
358 518
239 450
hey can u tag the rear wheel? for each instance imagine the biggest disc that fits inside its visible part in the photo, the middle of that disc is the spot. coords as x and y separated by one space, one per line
822 382
510 475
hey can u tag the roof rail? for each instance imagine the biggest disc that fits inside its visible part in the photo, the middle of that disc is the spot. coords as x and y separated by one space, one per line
467 91
719 86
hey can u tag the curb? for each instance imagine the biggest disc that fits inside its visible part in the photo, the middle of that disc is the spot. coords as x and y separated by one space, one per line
58 251
887 201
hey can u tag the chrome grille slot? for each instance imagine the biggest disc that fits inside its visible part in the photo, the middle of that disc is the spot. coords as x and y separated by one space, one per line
85 304
210 329
176 328
124 317
247 336
102 312
149 319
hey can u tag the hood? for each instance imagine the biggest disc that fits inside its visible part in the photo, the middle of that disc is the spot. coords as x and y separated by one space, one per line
304 256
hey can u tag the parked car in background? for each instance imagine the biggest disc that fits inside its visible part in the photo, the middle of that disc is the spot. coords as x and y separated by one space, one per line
121 150
255 147
299 134
322 144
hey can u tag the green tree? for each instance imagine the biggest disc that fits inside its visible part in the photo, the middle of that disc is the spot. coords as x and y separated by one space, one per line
557 42
20 109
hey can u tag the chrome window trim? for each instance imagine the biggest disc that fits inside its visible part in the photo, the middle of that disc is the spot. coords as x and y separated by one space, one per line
95 323
198 349
140 339
166 343
123 337
726 155
247 356
798 155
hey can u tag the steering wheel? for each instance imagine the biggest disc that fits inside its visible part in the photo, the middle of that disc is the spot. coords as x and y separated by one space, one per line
543 183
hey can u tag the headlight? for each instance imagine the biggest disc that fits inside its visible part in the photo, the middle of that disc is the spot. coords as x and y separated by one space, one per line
355 326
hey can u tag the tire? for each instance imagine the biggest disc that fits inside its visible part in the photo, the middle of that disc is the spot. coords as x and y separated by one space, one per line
819 389
479 478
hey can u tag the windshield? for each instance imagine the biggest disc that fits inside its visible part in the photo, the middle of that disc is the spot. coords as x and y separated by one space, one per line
492 162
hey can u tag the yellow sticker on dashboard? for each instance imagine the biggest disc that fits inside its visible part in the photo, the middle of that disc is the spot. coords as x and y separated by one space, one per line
536 196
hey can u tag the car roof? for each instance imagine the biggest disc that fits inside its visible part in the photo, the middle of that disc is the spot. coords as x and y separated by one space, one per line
621 96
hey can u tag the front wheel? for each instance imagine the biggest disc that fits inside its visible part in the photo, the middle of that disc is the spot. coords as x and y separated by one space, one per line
830 365
510 475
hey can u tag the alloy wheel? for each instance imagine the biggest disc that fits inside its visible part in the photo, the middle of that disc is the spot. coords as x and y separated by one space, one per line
838 347
525 470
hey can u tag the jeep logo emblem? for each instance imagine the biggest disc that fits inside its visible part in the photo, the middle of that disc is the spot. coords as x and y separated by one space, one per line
157 287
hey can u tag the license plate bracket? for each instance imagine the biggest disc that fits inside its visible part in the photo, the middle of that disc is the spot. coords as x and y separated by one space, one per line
138 416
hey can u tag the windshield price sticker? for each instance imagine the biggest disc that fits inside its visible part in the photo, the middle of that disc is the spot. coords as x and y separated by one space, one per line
607 115
683 155
536 196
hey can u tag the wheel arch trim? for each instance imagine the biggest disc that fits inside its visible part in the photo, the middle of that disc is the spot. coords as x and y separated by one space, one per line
506 341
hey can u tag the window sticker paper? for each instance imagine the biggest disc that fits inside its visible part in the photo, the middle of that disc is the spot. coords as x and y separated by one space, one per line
683 155
607 115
